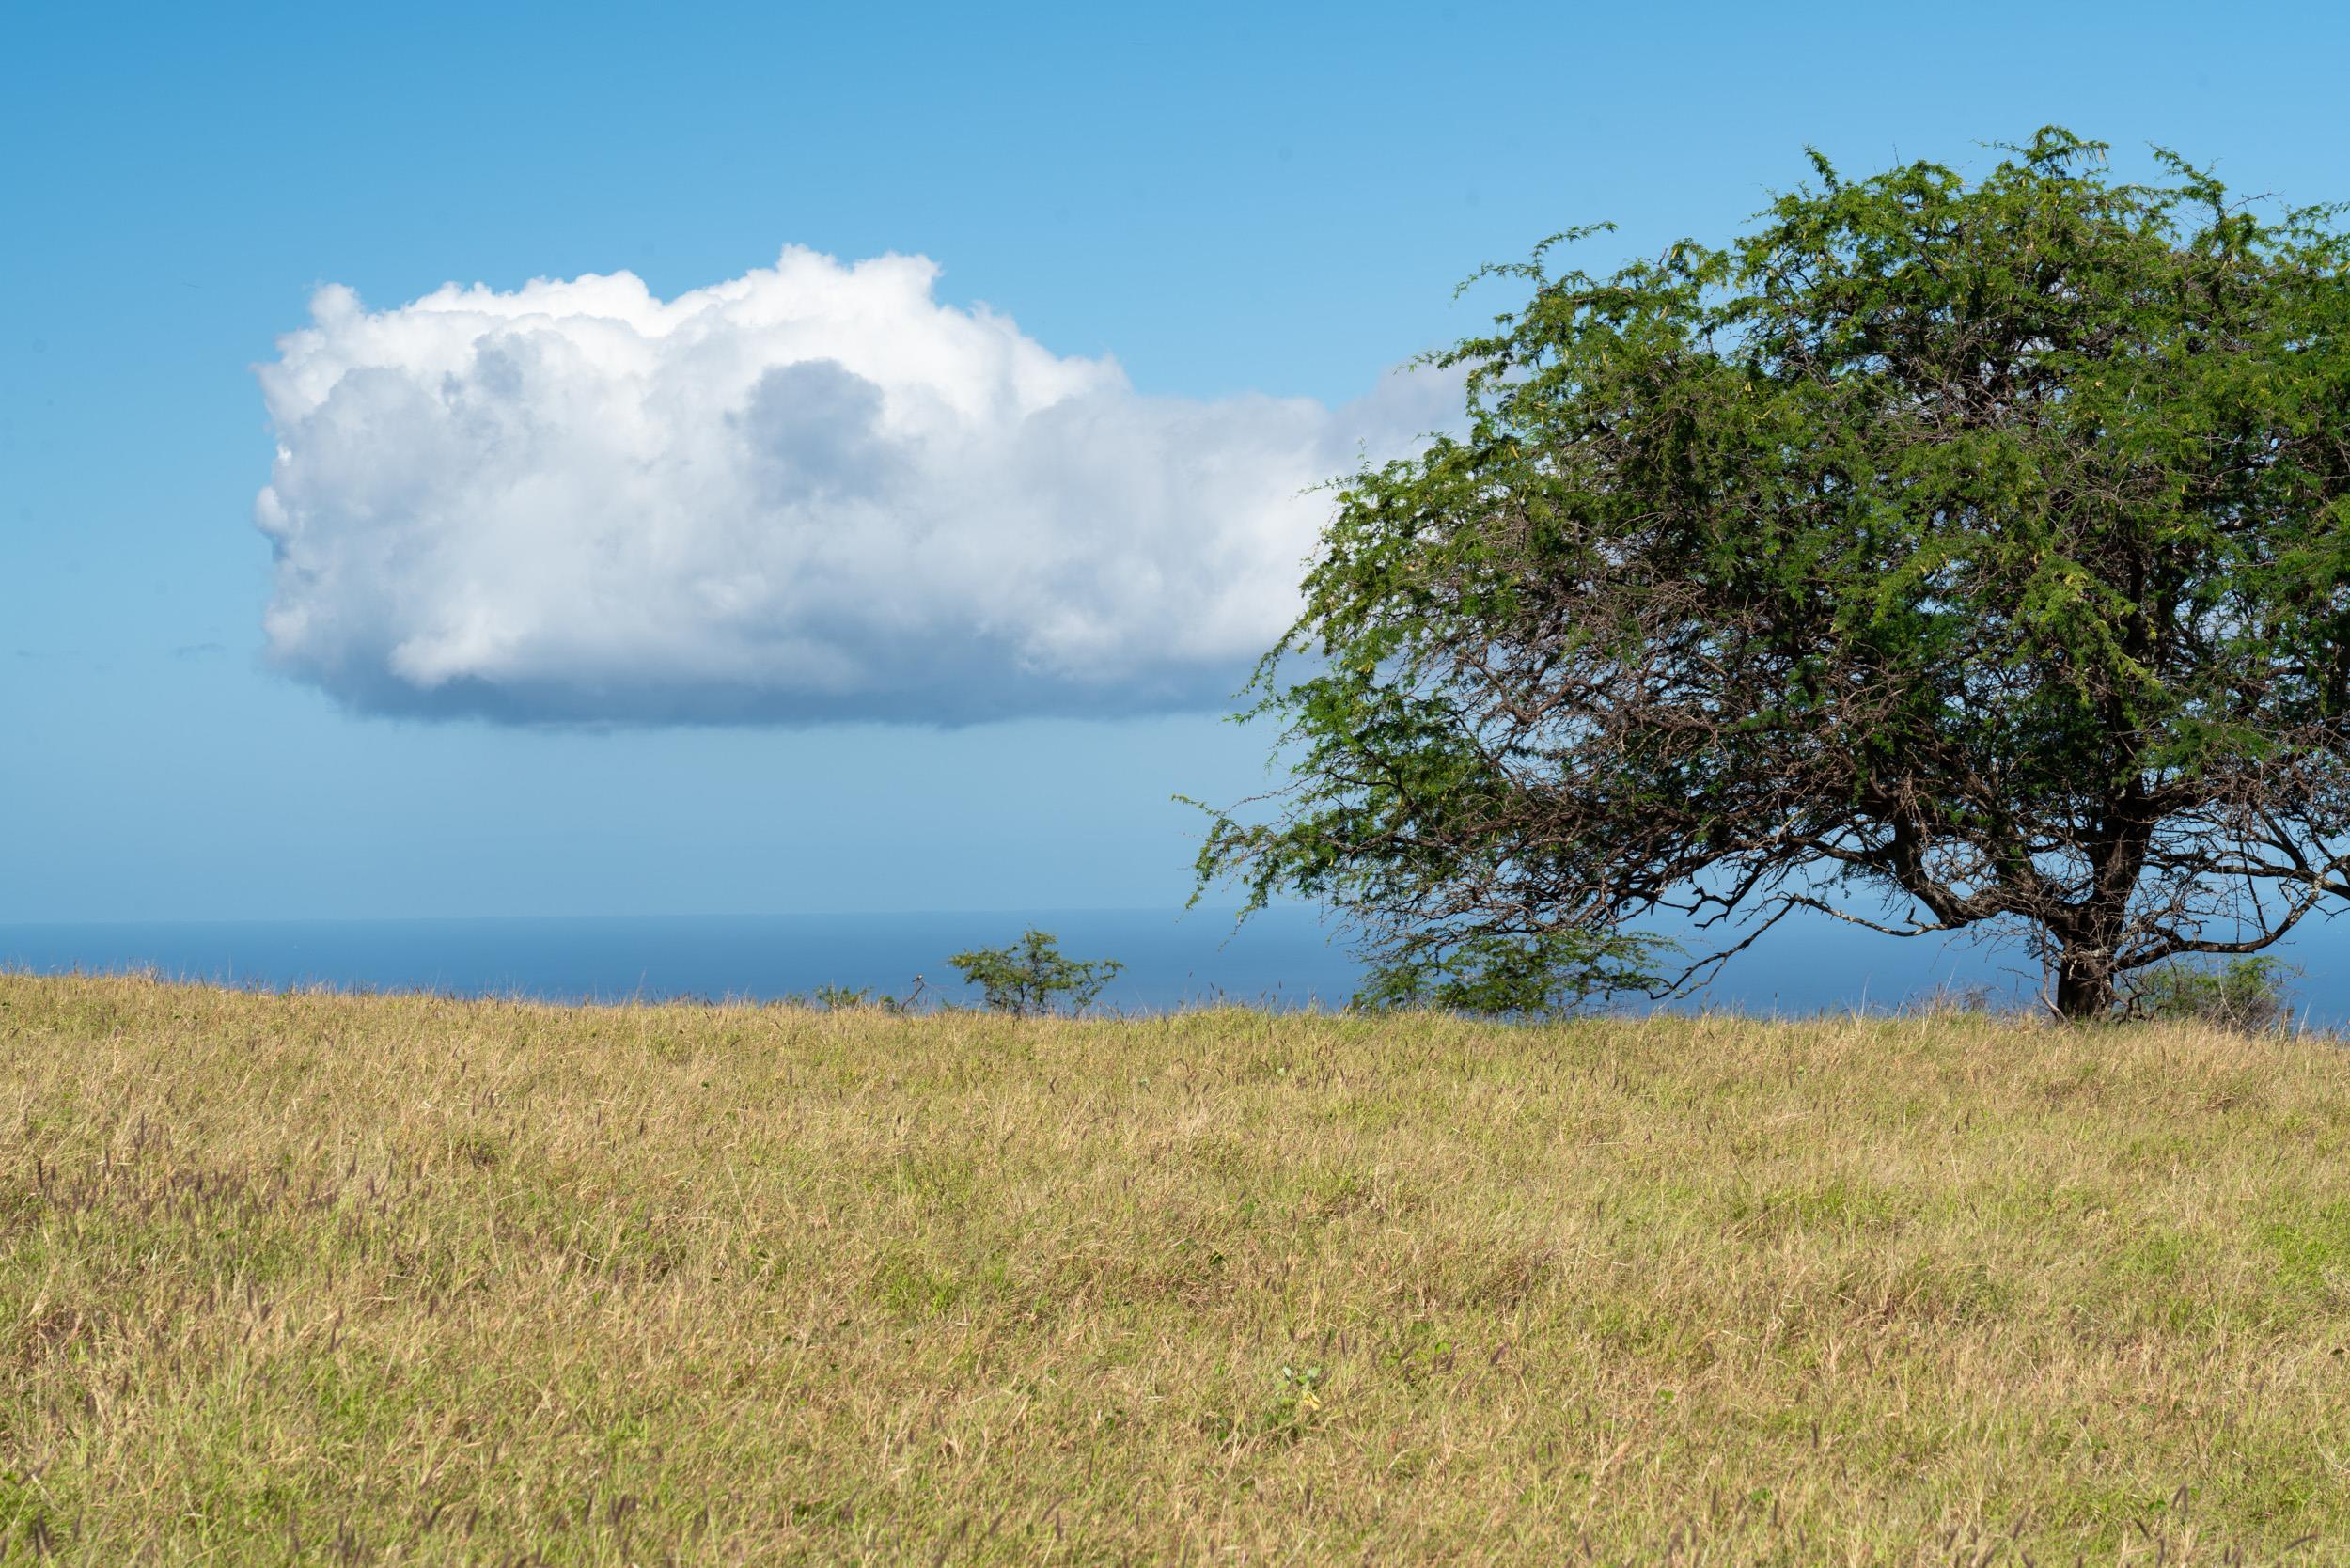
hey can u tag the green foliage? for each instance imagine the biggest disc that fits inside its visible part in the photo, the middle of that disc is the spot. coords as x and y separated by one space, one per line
1032 977
1297 1401
2245 994
845 998
852 998
1940 553
1491 975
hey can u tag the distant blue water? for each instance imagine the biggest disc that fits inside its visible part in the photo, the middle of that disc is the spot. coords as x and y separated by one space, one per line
1283 958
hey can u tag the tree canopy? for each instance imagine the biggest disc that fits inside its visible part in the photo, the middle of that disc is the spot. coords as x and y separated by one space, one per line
1033 977
1938 554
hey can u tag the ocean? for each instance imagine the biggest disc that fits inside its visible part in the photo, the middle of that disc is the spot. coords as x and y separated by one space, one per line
1281 957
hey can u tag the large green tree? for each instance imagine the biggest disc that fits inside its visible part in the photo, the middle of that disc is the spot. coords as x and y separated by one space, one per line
1939 554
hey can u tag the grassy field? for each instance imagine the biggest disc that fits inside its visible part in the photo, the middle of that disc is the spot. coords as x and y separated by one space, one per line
317 1279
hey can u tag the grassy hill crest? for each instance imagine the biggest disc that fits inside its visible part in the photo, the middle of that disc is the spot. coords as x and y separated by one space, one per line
410 1280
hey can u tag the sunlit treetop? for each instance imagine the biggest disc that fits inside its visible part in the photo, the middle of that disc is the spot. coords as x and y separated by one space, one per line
1937 553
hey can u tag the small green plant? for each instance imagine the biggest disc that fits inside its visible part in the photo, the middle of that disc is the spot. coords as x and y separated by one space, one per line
847 999
1295 1400
854 999
1032 976
2245 994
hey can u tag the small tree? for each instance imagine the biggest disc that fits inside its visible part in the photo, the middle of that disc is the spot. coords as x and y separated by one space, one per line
1939 554
1032 977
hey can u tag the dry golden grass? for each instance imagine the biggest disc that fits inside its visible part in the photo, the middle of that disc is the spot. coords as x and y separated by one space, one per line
401 1279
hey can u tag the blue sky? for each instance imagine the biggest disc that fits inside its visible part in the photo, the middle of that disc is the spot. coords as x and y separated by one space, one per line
1233 204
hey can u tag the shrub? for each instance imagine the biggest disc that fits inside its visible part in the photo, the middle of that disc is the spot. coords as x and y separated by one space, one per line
1032 976
2248 993
847 999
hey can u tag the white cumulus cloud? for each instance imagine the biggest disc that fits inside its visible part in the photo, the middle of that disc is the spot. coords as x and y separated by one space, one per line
813 492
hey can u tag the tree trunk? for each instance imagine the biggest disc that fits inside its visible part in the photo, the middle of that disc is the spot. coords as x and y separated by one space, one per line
2086 975
2084 984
